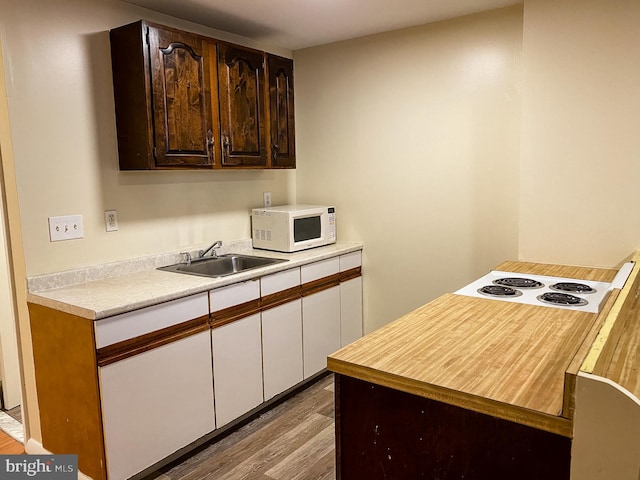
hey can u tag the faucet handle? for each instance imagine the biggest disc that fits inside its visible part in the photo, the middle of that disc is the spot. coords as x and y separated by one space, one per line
186 257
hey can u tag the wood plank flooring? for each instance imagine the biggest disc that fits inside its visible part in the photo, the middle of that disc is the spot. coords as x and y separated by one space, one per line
293 441
8 446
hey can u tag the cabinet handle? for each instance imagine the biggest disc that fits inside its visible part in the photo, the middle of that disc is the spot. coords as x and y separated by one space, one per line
210 143
226 146
274 151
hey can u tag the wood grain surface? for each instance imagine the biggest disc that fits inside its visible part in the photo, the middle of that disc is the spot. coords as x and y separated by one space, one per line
615 353
595 274
501 358
8 446
68 391
623 366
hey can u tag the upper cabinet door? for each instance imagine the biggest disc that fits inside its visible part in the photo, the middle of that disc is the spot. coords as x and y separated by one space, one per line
281 112
181 98
242 112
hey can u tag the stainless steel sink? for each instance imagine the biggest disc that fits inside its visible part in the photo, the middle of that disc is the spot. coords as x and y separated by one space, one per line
221 266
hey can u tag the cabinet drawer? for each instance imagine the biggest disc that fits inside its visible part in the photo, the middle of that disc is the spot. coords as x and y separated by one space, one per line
318 270
233 295
350 260
279 281
133 324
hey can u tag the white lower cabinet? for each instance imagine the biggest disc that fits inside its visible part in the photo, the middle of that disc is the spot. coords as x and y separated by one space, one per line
350 300
281 332
155 403
236 350
320 328
350 311
282 348
237 368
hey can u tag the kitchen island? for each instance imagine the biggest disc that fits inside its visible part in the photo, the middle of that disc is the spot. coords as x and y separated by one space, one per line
466 387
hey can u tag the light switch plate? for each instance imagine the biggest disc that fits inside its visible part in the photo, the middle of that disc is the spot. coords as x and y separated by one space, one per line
67 227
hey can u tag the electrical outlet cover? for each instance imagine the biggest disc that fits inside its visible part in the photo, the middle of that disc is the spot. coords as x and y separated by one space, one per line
111 220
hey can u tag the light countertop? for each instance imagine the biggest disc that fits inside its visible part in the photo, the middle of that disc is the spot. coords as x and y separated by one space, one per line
117 294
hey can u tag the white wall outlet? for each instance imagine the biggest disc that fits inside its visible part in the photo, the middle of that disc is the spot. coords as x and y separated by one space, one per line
266 197
111 220
65 227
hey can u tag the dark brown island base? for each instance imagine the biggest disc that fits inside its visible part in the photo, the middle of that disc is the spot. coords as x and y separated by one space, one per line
383 433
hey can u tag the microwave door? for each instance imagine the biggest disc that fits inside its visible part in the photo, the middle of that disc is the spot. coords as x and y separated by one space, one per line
306 229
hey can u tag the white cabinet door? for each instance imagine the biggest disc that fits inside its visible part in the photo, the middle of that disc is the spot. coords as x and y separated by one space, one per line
282 347
350 300
281 335
320 328
350 311
155 403
237 368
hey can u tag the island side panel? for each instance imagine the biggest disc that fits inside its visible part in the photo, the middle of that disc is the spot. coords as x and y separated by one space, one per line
383 433
68 393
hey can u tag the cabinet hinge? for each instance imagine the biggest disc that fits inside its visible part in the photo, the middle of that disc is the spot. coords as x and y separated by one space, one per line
146 37
155 152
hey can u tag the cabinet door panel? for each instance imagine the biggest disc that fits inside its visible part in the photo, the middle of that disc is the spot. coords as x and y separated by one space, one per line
242 111
182 111
282 347
281 112
237 368
320 328
156 403
350 311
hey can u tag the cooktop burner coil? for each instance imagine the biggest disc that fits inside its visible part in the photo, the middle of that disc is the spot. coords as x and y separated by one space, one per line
518 282
557 298
499 291
572 287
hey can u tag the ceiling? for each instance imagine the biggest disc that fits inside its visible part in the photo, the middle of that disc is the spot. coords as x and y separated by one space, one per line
296 24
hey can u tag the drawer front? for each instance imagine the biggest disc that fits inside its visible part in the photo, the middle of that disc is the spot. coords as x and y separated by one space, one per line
235 294
139 322
350 260
279 281
318 270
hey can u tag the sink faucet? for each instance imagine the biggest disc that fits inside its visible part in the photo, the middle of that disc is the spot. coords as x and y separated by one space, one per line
212 247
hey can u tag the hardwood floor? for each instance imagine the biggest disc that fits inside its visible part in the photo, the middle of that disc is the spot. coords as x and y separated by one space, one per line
293 441
8 446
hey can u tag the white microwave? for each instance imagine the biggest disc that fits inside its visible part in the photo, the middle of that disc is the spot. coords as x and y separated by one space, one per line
290 228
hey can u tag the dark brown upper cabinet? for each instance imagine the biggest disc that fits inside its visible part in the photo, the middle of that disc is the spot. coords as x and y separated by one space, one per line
281 112
242 112
162 80
188 101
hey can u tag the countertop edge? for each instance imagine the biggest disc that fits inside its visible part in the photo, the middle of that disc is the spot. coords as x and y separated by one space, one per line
541 421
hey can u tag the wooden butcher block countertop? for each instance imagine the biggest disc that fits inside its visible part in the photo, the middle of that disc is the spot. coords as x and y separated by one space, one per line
504 359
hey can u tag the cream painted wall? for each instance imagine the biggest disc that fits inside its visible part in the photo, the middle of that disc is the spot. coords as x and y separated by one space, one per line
581 114
60 96
414 135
